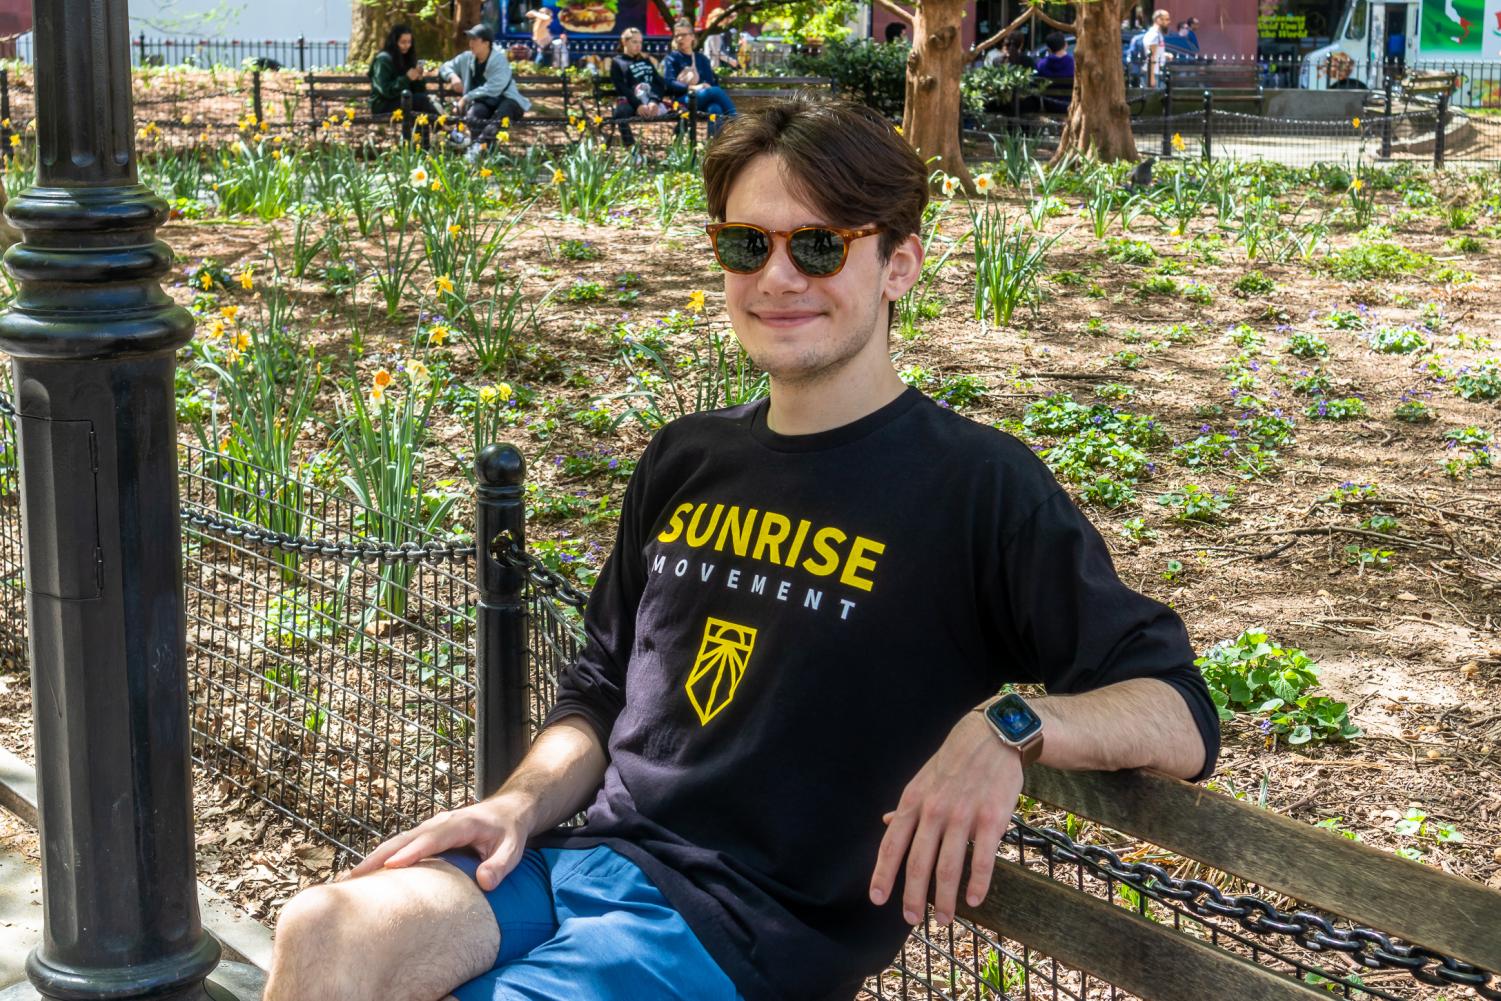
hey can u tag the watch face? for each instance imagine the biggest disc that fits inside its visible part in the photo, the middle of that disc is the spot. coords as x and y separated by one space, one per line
1014 718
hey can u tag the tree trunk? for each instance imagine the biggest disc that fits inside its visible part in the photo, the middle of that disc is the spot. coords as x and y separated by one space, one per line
930 116
466 14
435 37
1099 122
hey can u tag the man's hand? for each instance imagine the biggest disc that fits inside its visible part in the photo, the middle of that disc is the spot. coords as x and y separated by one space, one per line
456 85
967 791
496 828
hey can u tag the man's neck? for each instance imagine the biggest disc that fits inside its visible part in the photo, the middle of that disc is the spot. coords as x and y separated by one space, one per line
860 388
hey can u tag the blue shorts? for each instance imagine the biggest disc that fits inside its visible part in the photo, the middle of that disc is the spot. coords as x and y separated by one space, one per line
587 925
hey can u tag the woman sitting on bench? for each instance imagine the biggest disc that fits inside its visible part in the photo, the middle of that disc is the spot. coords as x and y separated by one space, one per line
396 70
689 72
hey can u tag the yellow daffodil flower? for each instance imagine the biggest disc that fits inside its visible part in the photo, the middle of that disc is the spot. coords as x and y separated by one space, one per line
696 301
444 284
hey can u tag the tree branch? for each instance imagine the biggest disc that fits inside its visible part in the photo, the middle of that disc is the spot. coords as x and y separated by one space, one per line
898 10
1030 13
996 39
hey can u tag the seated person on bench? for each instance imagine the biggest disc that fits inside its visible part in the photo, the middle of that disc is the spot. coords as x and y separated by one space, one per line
784 720
1341 66
396 70
488 95
1059 62
687 71
640 87
1056 71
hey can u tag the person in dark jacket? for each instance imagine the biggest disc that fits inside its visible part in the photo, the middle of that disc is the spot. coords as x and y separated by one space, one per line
688 72
1058 63
640 87
395 70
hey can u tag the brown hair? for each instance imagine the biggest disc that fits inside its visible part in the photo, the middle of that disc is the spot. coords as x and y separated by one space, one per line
842 158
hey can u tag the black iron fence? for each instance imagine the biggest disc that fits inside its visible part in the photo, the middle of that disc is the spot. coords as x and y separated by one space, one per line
298 53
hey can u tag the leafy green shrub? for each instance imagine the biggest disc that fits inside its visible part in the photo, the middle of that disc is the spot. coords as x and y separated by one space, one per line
1344 319
1376 259
1253 283
1398 340
1481 381
959 391
1198 293
873 73
1192 502
1306 345
579 250
1337 409
1123 250
989 88
1250 674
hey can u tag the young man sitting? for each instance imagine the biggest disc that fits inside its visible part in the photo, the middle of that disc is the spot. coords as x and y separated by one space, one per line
774 721
488 95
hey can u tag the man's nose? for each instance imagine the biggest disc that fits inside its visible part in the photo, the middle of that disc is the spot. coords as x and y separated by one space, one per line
780 273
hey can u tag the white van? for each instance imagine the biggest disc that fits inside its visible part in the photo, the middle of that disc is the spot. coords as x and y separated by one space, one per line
1416 34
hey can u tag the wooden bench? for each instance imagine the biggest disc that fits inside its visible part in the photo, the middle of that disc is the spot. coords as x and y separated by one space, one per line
1235 84
745 91
1150 956
553 96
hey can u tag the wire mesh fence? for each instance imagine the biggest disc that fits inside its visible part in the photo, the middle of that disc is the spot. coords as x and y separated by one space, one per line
337 689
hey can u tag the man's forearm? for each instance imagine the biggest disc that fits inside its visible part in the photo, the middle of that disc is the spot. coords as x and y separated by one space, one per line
559 775
1140 723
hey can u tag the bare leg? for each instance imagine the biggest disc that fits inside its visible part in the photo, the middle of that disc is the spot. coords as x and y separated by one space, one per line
410 934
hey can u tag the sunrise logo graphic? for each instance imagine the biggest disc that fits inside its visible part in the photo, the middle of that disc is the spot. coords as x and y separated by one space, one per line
719 666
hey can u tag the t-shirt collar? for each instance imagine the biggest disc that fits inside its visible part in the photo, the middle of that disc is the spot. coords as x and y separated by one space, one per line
833 437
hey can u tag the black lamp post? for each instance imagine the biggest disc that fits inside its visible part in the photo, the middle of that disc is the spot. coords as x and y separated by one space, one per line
93 338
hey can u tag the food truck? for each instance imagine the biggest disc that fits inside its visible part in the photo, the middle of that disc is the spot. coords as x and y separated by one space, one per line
1459 35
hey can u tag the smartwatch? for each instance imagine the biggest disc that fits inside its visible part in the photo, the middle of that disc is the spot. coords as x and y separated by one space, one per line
1015 723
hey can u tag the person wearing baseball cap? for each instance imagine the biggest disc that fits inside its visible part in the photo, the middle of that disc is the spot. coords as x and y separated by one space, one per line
486 85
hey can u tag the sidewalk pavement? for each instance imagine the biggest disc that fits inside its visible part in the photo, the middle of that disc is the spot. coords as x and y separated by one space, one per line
20 901
244 940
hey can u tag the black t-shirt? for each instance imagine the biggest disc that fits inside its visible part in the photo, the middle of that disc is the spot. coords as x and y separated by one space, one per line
789 627
627 72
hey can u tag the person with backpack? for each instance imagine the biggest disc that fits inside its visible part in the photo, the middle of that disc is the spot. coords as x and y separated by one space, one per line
396 70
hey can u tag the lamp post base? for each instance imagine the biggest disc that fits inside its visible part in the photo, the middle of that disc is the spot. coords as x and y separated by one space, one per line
228 982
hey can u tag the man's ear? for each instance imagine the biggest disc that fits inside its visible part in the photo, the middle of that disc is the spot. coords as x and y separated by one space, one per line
904 268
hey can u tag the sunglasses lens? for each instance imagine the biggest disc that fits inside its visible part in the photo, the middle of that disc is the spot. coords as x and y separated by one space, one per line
817 251
742 249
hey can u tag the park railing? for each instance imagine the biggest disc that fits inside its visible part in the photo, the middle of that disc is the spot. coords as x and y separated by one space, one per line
300 53
359 685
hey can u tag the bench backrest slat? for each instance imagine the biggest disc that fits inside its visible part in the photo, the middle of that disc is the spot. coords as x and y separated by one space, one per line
1149 960
1418 903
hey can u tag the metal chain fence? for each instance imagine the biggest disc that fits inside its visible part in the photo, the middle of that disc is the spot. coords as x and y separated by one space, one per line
332 676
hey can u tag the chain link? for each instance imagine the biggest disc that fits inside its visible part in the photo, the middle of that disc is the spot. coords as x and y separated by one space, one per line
546 580
1366 947
448 551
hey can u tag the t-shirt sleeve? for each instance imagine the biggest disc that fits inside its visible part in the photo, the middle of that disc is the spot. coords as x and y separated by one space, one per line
1078 627
593 686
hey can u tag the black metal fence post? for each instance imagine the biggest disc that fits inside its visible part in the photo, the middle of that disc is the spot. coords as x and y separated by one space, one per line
141 49
407 116
93 341
255 97
501 689
1167 115
1208 143
301 54
1439 128
5 129
1386 120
